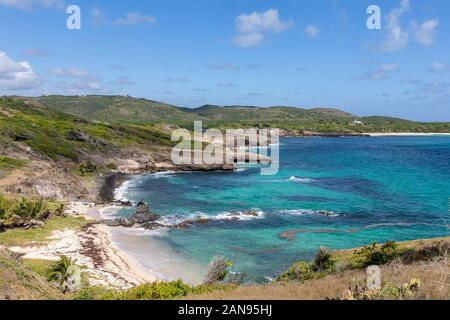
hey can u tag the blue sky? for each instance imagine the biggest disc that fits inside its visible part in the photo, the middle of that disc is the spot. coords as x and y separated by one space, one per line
304 53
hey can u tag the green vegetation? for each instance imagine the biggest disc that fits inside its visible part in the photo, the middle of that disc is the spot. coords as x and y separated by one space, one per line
118 109
61 272
23 208
41 267
18 281
29 208
39 235
7 163
375 254
111 166
322 265
57 135
26 279
87 168
162 291
57 128
389 291
326 263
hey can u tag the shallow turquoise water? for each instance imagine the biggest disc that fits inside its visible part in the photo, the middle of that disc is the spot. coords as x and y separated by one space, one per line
389 188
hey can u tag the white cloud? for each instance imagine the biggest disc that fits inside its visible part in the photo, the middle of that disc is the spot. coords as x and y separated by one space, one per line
248 40
97 17
390 67
311 31
69 72
439 67
16 76
252 28
224 66
424 33
37 52
30 4
81 87
133 18
381 73
396 38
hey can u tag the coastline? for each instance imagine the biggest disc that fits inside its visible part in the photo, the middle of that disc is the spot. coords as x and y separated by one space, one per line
94 250
407 134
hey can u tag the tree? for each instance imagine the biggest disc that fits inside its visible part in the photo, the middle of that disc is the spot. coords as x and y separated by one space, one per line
65 274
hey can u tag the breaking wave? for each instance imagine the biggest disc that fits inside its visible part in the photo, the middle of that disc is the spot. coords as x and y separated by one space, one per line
301 180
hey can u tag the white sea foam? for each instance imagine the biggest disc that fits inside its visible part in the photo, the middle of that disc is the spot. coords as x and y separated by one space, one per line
120 192
302 212
227 216
301 180
163 174
241 215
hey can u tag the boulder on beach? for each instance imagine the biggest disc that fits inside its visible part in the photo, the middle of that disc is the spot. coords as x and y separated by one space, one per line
121 222
143 214
142 217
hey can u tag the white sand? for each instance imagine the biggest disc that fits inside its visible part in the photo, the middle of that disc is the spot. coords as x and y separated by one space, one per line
406 134
93 249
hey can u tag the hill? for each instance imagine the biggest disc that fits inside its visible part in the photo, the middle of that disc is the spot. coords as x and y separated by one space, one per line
128 110
115 109
20 282
55 135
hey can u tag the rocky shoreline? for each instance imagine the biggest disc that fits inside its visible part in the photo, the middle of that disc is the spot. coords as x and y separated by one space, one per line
303 133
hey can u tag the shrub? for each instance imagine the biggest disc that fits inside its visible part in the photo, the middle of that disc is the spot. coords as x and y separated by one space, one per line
65 274
300 271
111 166
217 270
322 265
323 260
153 291
29 208
4 209
88 292
375 254
87 167
389 291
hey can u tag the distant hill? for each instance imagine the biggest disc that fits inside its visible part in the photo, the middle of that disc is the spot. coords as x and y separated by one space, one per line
245 113
128 109
125 109
117 109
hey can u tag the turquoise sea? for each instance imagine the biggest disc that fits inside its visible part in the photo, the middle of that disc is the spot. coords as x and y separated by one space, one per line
375 189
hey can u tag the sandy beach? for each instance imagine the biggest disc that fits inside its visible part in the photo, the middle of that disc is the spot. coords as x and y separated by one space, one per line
93 249
405 134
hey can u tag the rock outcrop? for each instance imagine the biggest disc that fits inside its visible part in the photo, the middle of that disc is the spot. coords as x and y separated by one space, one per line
142 217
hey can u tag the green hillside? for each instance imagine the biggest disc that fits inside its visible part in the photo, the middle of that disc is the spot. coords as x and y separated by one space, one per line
56 135
127 110
117 109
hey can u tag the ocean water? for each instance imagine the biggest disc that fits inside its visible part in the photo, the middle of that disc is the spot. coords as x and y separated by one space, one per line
374 189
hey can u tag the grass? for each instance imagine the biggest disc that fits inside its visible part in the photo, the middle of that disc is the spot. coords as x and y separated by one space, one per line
163 291
142 112
41 267
47 132
7 163
435 284
403 265
40 235
20 282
